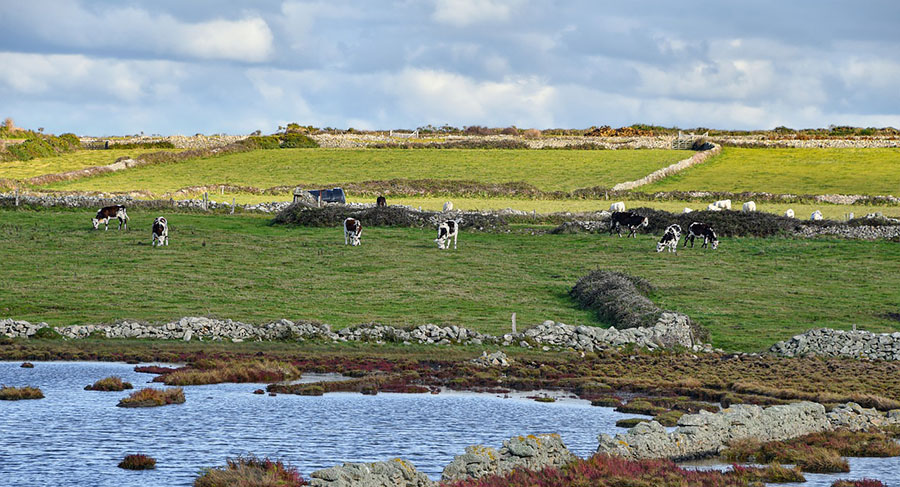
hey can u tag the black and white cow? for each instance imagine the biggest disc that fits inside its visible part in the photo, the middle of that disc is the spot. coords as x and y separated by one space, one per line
108 212
698 229
352 231
670 238
447 230
160 232
627 219
380 201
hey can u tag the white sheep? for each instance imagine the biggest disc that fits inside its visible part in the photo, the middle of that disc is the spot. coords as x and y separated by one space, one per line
723 204
749 207
448 206
789 213
713 207
687 210
816 215
617 206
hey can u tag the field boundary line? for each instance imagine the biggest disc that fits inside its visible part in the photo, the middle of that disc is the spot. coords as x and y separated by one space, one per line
667 171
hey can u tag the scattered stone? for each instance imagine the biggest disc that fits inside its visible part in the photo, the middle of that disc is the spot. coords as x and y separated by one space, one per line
496 359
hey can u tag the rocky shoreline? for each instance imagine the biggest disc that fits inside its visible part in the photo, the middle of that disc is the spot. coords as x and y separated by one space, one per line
669 332
828 342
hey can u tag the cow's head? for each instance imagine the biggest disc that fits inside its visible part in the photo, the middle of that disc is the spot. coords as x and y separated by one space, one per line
96 222
660 247
354 239
715 243
645 222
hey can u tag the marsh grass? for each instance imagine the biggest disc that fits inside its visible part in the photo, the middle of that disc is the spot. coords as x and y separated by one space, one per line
226 371
138 462
149 397
250 471
20 393
109 384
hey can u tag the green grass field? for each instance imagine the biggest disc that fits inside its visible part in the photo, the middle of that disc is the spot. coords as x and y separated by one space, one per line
749 293
794 171
66 162
545 169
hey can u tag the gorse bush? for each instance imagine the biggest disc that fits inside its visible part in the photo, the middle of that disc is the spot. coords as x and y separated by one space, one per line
289 140
725 223
618 299
138 462
39 145
251 471
385 216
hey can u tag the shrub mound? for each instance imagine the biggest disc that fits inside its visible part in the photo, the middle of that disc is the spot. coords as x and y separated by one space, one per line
150 397
726 223
20 393
109 384
216 372
386 216
858 483
27 365
138 462
250 471
618 298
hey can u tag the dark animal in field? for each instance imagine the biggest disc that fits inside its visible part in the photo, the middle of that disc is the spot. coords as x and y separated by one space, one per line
670 238
352 231
160 232
381 201
447 230
698 229
108 212
628 219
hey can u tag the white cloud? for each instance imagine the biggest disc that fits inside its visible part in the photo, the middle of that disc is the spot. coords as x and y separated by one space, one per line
462 13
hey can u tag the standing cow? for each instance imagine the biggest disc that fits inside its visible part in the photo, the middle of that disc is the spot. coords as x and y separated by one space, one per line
628 219
108 212
352 231
669 239
447 230
160 232
698 229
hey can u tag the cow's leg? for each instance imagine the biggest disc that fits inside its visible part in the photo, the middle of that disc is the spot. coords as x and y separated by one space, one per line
705 241
346 238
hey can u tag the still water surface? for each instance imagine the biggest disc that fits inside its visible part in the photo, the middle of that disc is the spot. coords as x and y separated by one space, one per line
76 437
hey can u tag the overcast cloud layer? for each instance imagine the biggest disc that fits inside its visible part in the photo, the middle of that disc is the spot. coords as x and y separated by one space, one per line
217 66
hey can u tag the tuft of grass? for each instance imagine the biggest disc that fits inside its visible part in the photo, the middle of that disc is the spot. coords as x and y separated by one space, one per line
858 483
150 397
109 384
630 422
20 393
250 471
607 402
27 365
772 473
640 406
808 457
216 372
138 462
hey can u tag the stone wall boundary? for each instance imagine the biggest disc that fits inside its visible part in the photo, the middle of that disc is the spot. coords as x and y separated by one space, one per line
697 158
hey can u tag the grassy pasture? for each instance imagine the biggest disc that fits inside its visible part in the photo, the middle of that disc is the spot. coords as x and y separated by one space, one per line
749 293
71 161
545 169
794 171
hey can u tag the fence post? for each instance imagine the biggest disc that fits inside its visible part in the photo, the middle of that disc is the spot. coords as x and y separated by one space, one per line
232 206
514 323
17 196
205 201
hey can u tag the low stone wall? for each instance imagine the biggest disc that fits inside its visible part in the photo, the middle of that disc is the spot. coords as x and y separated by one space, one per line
666 334
863 232
525 452
198 141
697 158
392 473
706 434
828 342
764 142
95 202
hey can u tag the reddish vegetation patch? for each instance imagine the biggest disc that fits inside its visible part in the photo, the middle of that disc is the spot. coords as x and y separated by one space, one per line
149 397
216 372
251 471
858 483
138 462
154 369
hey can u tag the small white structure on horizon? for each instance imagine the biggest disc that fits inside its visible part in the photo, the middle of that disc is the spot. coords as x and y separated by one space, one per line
749 207
816 215
617 206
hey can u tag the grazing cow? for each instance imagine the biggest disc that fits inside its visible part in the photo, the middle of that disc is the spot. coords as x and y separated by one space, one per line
447 230
629 219
749 207
723 204
617 206
789 213
108 212
381 201
816 215
698 229
160 232
669 239
448 206
352 231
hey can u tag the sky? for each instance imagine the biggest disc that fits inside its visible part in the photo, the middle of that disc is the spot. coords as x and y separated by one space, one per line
219 66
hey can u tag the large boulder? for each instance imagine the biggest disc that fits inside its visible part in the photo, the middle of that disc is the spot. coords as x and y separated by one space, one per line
392 473
527 452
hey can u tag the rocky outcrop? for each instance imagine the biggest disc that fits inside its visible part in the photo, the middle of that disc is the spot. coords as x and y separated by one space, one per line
526 452
496 359
705 434
697 158
392 473
828 342
546 335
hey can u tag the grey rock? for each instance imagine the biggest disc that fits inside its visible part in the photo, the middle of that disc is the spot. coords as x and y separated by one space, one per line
392 473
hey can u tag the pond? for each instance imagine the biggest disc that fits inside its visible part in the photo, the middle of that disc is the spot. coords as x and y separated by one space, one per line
77 437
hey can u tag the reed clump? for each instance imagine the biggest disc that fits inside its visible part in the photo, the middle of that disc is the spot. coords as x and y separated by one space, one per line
150 397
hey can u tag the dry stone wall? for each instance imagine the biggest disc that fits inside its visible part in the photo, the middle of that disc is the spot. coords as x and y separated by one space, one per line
828 342
697 158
